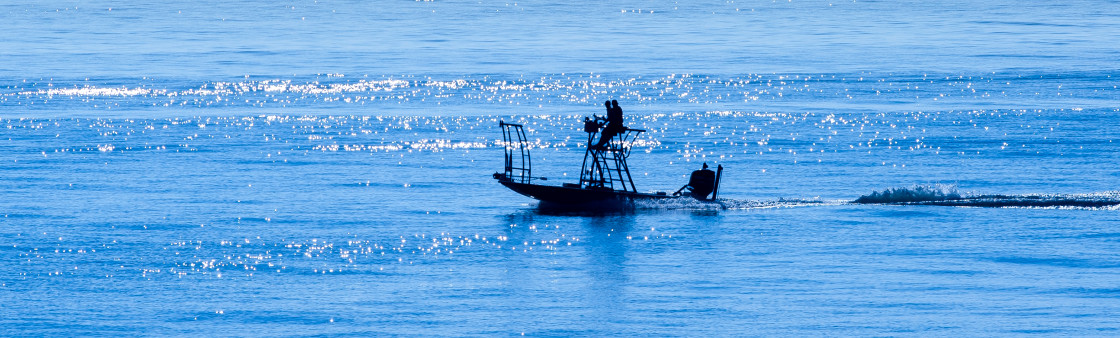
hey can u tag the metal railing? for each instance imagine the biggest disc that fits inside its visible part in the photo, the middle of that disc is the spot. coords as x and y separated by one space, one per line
606 168
518 166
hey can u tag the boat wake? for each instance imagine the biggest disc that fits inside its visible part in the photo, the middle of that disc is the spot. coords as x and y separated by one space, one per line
947 195
726 204
932 195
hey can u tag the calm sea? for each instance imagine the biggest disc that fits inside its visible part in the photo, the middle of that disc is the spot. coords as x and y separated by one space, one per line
324 168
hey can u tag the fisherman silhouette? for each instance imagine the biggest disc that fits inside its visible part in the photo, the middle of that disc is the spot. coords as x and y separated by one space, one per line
614 124
702 182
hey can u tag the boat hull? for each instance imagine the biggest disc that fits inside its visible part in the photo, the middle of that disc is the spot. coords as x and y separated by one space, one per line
579 198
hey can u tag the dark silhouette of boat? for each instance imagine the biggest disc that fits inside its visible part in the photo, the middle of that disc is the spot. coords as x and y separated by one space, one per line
605 182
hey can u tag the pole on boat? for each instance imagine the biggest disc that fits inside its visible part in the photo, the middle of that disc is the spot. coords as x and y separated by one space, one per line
719 174
592 129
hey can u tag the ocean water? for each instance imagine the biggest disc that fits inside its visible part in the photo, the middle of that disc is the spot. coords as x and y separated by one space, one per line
324 168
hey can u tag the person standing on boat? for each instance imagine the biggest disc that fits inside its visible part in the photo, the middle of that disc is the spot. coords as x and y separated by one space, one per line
614 124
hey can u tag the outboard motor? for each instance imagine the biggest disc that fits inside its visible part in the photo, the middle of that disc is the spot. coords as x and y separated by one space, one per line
703 182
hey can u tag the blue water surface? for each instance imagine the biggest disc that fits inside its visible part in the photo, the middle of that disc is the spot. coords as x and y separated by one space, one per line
324 168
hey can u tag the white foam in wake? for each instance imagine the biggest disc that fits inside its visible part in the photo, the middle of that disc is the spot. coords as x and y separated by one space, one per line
685 203
945 195
917 193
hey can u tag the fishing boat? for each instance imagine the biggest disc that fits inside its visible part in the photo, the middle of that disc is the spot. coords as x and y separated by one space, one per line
604 182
